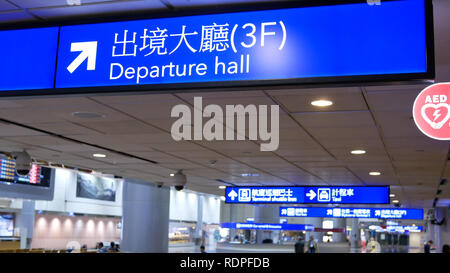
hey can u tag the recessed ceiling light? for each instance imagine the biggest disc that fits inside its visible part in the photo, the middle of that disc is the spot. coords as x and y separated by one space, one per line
392 195
222 187
358 152
87 115
395 201
249 174
375 173
99 155
172 174
322 103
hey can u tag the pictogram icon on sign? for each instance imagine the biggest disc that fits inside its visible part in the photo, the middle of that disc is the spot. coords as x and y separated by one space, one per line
431 111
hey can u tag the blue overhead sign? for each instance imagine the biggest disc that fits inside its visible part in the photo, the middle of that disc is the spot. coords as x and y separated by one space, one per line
264 226
28 58
314 44
308 195
382 213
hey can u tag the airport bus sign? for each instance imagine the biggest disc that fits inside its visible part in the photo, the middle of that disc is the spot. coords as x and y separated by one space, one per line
294 44
381 213
267 226
308 194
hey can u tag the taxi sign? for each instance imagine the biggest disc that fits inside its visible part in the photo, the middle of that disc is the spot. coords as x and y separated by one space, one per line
308 195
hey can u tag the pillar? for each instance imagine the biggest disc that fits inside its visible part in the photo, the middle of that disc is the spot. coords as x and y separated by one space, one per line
355 236
317 223
271 215
233 219
25 223
199 226
145 217
339 237
442 232
429 233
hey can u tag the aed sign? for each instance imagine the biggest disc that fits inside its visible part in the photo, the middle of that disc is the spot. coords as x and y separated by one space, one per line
295 44
308 194
431 111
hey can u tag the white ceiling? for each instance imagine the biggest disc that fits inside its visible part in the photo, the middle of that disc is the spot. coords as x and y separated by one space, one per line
314 144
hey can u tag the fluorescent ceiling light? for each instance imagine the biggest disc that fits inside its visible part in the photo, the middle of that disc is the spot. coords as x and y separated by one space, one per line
222 187
99 155
391 195
358 152
375 173
322 103
395 201
172 174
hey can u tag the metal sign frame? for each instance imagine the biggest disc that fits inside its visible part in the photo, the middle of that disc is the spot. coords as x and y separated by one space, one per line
380 79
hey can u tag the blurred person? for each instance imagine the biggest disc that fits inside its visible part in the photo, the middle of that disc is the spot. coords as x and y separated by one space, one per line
83 248
112 247
312 245
427 247
445 249
373 246
300 245
202 249
101 248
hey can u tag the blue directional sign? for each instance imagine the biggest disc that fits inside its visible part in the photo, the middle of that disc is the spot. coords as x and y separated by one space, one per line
295 45
307 194
28 58
264 226
303 43
382 213
403 229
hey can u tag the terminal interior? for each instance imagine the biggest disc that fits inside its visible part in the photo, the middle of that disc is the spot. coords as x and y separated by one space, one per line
111 162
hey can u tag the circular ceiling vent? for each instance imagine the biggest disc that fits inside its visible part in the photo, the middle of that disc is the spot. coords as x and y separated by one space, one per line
87 115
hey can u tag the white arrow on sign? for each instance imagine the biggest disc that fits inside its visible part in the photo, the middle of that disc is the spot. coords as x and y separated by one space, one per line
232 195
88 51
311 194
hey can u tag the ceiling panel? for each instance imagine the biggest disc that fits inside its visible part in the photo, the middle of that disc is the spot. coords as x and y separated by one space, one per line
13 16
190 3
52 3
4 6
96 9
344 99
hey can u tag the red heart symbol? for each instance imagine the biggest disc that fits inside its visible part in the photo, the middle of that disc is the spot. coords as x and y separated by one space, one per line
436 115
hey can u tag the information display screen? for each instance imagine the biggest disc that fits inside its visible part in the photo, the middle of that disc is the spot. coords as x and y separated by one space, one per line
382 213
38 176
28 58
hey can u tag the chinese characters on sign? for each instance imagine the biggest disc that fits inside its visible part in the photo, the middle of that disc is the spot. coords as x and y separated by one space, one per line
381 213
306 194
246 47
213 38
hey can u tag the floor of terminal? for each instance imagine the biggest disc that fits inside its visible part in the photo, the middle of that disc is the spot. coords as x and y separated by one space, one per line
261 248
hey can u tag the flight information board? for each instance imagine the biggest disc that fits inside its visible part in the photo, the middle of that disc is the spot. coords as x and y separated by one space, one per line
382 213
38 176
308 194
